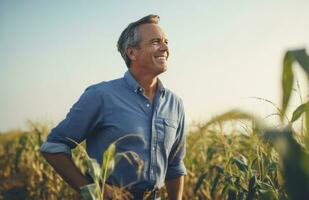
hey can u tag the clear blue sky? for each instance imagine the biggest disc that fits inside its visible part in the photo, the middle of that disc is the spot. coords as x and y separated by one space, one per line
222 52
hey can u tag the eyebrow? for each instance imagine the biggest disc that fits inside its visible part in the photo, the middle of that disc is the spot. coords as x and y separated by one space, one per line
160 39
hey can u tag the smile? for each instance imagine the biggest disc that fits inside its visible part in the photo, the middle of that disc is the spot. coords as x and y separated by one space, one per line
161 58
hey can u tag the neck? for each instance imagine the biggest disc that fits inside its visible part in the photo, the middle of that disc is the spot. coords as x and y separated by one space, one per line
147 81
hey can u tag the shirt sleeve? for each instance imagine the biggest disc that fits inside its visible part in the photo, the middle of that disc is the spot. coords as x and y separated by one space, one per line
176 167
81 121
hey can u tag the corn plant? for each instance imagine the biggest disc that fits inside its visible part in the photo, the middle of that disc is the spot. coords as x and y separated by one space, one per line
99 173
293 148
235 164
25 170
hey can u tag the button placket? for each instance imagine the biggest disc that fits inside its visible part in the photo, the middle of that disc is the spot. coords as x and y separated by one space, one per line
153 159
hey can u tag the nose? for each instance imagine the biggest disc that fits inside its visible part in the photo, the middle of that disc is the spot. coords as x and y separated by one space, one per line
164 47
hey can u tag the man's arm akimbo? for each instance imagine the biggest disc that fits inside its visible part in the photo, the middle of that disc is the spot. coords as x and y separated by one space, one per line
66 168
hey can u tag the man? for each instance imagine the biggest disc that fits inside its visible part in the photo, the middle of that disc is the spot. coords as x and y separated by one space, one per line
136 104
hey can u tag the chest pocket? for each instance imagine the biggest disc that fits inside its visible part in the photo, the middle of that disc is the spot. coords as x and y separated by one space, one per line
166 130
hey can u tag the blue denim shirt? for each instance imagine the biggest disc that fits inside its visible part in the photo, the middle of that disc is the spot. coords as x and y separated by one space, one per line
113 109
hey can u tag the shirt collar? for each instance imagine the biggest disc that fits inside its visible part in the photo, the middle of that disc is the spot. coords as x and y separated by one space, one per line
133 84
161 87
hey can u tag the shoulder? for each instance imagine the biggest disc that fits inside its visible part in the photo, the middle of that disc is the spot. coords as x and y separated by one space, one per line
105 86
173 96
174 99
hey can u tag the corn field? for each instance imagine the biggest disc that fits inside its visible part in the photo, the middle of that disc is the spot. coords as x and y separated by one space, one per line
232 156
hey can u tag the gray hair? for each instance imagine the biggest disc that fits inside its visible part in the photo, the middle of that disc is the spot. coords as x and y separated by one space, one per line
130 36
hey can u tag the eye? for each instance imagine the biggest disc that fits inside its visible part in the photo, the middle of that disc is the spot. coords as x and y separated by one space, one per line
155 42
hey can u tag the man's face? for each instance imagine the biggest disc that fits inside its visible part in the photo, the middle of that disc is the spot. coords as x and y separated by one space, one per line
153 52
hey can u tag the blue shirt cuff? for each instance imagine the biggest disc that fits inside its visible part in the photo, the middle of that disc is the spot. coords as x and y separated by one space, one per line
176 171
50 147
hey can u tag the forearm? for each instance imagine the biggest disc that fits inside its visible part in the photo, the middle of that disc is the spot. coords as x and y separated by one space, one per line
175 188
66 168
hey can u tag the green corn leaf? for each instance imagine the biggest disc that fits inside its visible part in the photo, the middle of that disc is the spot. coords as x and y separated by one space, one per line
214 186
303 59
253 162
251 191
108 160
93 168
231 115
252 182
240 164
200 182
300 110
287 76
225 190
244 159
267 195
287 81
218 168
232 194
107 165
292 155
23 140
132 158
240 195
210 152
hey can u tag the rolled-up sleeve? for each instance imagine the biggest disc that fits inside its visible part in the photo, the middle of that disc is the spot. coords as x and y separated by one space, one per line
176 167
81 120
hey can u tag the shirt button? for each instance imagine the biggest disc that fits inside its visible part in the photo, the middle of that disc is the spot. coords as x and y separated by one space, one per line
147 105
153 148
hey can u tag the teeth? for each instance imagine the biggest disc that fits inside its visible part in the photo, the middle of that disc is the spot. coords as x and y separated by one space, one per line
161 57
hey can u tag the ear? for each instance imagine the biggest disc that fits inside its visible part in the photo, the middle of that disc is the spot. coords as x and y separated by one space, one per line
131 52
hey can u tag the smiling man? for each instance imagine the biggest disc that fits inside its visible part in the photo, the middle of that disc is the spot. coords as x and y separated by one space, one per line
138 104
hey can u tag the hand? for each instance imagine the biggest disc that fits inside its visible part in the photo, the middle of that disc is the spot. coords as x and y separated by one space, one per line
116 193
110 193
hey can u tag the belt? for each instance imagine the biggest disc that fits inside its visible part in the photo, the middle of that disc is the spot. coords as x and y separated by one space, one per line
146 194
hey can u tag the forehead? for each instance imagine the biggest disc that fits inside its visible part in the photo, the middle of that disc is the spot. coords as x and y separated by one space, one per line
151 31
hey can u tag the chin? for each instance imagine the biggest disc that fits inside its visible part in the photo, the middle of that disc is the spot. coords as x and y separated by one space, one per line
159 69
162 69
